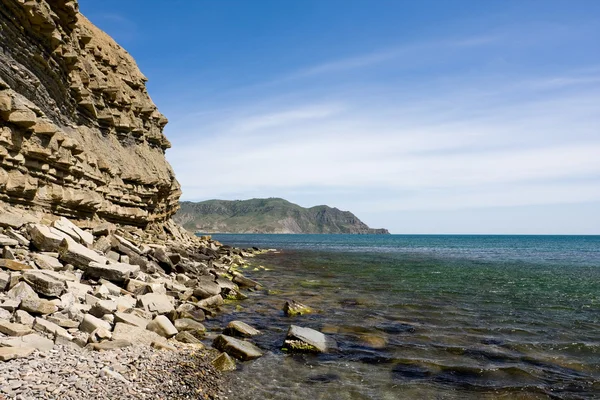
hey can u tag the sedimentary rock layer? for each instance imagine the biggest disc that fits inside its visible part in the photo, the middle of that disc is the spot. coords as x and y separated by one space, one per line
79 134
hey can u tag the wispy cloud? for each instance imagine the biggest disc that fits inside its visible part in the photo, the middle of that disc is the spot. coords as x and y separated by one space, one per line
469 139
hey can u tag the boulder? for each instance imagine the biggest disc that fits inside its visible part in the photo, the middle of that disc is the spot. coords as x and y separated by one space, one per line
188 324
78 234
13 220
194 313
24 318
306 340
162 326
79 255
21 291
47 262
102 307
112 272
10 305
42 325
237 348
224 363
4 281
104 229
240 329
11 329
45 238
44 284
91 323
135 334
156 303
35 305
206 288
213 301
131 319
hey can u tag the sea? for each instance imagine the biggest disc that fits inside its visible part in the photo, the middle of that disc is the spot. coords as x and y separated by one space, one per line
424 316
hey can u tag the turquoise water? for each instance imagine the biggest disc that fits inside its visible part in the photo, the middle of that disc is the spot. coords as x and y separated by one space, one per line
426 317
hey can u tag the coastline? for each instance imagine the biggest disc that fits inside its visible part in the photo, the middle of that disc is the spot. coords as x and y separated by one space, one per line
111 312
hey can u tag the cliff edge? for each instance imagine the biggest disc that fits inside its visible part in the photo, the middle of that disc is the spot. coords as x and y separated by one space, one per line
79 134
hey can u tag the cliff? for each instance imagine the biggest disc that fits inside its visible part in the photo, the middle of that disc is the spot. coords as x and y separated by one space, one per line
79 134
267 216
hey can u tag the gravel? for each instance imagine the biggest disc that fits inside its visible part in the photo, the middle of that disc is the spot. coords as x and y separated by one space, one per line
137 372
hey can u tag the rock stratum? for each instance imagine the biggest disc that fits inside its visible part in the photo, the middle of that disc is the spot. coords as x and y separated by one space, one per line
79 135
271 215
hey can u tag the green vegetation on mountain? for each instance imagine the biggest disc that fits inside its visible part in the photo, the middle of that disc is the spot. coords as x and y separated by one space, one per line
271 215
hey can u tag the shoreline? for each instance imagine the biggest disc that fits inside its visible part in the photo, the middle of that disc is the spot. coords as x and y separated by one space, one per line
73 300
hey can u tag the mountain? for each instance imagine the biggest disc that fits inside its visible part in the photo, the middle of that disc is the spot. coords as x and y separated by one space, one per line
272 215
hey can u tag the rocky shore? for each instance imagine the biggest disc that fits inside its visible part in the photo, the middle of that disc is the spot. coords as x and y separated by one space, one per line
112 311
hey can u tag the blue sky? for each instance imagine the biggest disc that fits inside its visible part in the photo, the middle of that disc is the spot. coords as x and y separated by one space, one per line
421 116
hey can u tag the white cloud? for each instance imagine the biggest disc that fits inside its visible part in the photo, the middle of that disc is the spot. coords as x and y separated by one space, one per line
466 141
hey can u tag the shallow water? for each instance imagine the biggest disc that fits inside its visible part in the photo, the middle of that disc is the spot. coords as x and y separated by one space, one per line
426 317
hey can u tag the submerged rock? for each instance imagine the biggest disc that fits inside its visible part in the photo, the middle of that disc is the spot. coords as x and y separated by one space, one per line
306 340
239 328
224 363
292 307
237 348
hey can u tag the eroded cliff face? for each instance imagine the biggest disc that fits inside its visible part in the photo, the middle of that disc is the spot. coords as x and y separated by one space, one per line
79 135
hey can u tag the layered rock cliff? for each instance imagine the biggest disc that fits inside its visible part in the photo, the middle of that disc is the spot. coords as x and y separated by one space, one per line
79 134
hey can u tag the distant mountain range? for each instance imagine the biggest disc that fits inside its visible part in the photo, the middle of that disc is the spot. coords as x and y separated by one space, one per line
272 215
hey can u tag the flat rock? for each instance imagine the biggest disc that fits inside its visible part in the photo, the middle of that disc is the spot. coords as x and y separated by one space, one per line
78 234
239 328
46 238
118 272
237 348
306 340
42 325
14 265
80 256
11 329
156 303
135 334
44 284
224 363
44 261
35 305
131 319
32 340
14 220
9 353
6 241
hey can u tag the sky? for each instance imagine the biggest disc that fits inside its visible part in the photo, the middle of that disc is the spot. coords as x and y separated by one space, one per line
418 116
